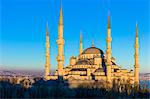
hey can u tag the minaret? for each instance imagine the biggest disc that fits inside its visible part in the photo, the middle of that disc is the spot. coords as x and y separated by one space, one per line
60 42
81 46
47 63
108 51
136 57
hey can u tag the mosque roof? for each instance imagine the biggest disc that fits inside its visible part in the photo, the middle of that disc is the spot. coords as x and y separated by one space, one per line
84 62
92 50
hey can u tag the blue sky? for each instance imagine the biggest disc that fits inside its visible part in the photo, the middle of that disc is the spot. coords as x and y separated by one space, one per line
23 26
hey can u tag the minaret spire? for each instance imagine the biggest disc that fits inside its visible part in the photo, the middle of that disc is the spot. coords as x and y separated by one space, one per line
92 42
81 46
61 15
47 34
108 26
60 42
136 56
47 63
108 51
136 29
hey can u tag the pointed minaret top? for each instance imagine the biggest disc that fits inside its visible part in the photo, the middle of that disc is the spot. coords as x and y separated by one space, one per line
47 28
61 15
93 43
136 29
80 36
108 19
81 47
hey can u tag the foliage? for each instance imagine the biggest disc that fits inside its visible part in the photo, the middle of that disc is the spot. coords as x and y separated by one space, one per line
59 90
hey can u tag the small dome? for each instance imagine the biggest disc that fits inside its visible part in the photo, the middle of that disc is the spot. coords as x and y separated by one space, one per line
113 58
73 57
84 62
92 50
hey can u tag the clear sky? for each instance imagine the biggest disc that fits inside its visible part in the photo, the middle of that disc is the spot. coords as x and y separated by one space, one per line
23 26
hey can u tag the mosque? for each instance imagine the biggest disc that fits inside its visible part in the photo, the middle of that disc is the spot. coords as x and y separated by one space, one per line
92 64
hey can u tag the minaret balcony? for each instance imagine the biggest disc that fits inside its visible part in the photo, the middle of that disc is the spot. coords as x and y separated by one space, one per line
60 41
60 58
108 51
136 56
136 65
136 46
108 39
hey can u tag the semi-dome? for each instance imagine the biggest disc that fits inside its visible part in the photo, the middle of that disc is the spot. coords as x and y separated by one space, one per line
92 50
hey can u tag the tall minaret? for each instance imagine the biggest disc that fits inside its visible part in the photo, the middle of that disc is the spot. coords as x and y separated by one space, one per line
81 46
136 57
108 51
60 42
47 63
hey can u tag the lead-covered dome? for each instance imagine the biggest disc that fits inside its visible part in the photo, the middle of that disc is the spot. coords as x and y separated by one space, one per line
92 50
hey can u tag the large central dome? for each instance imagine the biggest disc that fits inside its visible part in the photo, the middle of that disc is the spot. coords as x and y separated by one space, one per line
92 50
